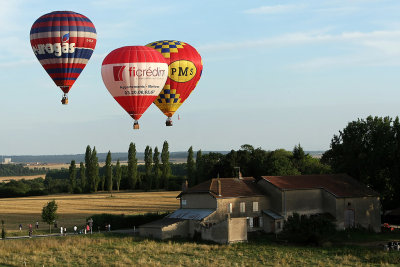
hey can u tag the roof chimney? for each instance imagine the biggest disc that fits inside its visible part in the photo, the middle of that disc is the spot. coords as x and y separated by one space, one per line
185 186
239 173
219 187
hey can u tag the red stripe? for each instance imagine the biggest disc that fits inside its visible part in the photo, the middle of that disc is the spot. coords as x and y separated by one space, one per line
64 75
63 16
68 83
66 66
62 23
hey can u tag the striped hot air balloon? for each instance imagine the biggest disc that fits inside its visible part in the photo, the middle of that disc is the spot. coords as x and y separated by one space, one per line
63 42
134 76
185 69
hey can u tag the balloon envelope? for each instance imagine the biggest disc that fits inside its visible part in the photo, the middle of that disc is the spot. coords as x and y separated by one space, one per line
63 42
185 69
134 76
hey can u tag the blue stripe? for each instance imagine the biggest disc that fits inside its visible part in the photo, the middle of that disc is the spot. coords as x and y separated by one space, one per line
79 53
61 19
64 70
63 28
63 79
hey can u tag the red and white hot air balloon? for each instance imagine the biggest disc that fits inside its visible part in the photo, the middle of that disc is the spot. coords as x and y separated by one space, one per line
134 76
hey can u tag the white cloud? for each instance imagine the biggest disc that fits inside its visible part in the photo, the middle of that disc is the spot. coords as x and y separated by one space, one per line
270 9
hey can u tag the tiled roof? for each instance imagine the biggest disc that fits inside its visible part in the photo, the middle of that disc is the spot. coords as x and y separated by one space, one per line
230 187
340 185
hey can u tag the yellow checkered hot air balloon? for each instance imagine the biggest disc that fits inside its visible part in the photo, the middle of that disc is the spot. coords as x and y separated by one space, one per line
185 69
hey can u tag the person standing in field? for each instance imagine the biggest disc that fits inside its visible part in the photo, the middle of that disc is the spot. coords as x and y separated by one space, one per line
30 230
75 228
61 230
20 227
37 225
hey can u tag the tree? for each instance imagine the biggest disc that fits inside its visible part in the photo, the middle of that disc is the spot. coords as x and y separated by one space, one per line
165 168
89 169
82 174
108 172
191 168
156 168
72 176
148 161
118 174
49 213
199 167
368 150
132 166
94 166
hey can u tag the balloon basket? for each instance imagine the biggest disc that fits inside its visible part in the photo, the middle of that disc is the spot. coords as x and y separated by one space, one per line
136 126
64 101
168 123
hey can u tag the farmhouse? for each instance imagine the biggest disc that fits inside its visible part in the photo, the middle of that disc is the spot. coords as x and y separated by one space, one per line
224 210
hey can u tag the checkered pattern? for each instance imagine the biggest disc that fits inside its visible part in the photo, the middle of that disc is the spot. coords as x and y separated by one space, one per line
167 47
168 96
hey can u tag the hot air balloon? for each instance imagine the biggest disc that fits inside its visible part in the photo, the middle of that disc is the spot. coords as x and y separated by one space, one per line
185 68
63 42
134 76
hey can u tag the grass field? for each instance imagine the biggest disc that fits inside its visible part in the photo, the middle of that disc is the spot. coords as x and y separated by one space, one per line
118 250
74 209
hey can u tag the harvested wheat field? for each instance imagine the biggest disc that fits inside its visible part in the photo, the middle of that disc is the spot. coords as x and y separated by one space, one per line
74 209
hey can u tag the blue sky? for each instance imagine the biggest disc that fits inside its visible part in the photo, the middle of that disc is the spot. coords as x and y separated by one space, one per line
276 73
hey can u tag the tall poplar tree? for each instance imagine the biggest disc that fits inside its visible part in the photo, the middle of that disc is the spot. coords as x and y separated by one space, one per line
72 176
132 166
94 165
165 168
191 168
156 168
108 173
199 167
118 174
82 175
148 161
89 169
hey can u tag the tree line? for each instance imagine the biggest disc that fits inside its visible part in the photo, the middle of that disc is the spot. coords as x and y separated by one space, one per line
154 174
19 169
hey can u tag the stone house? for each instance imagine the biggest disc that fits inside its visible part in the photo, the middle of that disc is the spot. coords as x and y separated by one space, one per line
224 210
347 200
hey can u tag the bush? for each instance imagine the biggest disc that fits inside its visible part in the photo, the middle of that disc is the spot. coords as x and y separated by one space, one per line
124 221
313 229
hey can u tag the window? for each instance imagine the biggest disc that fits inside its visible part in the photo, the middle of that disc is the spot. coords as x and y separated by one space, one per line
183 202
229 207
255 206
250 220
242 207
